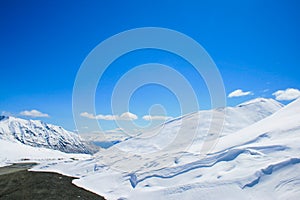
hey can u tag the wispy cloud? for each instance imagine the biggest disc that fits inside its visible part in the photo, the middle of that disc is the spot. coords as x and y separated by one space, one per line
288 94
124 116
156 117
239 93
116 130
266 90
5 113
33 113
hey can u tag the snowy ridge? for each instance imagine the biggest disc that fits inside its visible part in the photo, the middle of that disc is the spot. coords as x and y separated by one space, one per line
39 134
261 101
209 161
236 118
270 169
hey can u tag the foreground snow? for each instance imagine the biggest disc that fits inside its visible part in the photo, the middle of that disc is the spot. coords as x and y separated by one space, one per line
261 161
15 152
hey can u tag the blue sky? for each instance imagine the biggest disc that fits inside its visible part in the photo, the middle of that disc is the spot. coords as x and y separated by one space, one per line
255 45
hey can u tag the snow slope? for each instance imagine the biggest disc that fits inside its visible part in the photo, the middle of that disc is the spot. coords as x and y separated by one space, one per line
39 134
260 161
196 126
15 152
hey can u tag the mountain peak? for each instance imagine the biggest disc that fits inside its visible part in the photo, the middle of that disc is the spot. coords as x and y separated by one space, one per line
261 100
40 134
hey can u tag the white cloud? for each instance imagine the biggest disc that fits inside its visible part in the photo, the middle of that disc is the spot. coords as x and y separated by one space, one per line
87 115
128 116
288 94
33 113
101 117
156 117
124 116
239 93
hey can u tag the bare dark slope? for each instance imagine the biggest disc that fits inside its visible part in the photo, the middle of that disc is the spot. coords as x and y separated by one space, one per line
18 183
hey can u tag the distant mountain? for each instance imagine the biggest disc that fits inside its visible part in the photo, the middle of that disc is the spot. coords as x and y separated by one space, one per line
40 134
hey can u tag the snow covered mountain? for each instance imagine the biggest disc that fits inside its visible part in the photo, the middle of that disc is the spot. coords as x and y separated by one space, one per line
260 161
197 125
39 134
235 118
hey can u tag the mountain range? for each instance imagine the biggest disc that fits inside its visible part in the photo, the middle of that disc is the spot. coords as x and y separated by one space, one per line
254 156
36 133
